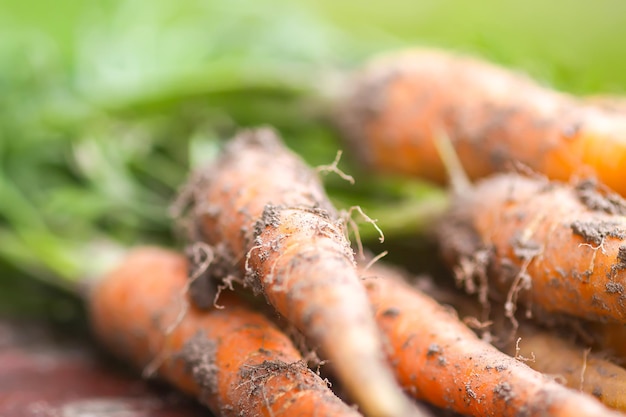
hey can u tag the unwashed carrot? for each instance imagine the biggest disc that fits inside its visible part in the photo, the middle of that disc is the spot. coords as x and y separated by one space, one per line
572 365
267 212
401 103
544 350
232 359
439 359
557 247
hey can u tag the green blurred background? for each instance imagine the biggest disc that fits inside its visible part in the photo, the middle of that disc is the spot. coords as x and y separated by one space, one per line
106 105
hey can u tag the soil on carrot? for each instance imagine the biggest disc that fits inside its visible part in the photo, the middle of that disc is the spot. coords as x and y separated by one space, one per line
257 375
596 232
198 355
590 195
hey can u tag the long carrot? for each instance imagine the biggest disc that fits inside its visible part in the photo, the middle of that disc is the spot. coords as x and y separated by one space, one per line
560 248
439 359
546 351
232 359
576 366
495 117
267 213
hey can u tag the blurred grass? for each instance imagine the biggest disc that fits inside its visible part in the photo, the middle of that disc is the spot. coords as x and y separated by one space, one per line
105 105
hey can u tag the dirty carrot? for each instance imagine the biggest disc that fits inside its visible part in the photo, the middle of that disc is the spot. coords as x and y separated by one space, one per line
573 365
266 212
439 359
546 351
555 247
495 117
233 359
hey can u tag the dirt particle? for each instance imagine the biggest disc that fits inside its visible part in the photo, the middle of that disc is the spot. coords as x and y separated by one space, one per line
270 217
504 391
258 375
470 393
198 355
621 262
596 232
590 195
597 392
525 248
392 312
434 349
501 368
614 288
597 301
621 254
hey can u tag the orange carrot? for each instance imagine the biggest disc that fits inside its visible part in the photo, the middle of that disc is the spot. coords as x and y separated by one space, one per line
439 359
560 248
545 351
232 359
610 338
495 117
574 365
264 210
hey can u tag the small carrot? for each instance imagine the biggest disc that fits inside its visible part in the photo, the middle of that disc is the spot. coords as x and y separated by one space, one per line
439 359
559 248
234 360
495 117
266 211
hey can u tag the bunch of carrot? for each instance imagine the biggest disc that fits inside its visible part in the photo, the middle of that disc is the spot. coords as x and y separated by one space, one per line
260 226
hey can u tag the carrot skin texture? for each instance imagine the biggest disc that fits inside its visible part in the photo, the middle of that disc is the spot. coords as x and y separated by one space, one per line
566 243
611 339
269 213
234 360
495 117
439 359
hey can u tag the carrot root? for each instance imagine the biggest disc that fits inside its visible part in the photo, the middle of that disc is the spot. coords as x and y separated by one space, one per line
439 359
271 215
557 248
232 359
497 119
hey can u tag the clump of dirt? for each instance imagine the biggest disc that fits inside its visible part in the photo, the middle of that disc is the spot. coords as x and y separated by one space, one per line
504 391
269 218
596 231
198 356
525 249
257 376
621 256
590 194
614 288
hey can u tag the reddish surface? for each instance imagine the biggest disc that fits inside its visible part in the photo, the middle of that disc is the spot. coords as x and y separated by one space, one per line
41 376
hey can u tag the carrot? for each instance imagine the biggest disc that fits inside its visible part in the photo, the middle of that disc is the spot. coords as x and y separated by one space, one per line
575 366
439 359
232 359
266 212
558 248
495 117
543 350
610 338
